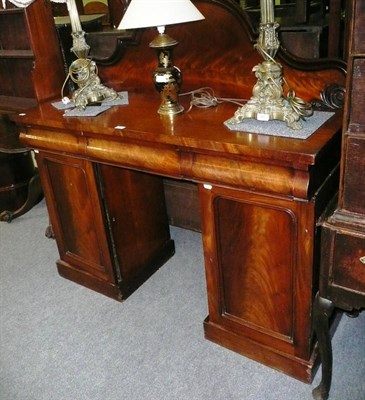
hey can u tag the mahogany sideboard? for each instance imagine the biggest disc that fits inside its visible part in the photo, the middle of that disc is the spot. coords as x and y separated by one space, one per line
260 196
260 199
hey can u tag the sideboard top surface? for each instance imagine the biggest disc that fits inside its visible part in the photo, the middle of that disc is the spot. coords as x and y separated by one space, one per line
199 130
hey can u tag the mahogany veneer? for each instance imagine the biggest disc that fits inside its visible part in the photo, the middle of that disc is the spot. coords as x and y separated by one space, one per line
260 196
104 192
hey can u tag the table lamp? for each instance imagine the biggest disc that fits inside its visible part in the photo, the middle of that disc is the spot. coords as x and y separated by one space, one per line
159 13
83 71
267 101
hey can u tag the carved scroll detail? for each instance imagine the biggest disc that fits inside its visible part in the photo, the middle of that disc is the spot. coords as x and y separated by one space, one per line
332 97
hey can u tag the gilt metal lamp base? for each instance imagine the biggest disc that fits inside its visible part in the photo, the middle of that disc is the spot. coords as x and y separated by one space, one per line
83 71
267 102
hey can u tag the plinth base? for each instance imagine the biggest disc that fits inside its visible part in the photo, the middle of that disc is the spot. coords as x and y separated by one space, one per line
295 367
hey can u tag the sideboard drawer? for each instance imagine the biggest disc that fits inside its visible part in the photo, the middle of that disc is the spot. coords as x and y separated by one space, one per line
349 262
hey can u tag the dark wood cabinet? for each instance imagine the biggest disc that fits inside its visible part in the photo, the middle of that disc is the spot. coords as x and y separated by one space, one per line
308 28
111 224
259 252
342 278
31 67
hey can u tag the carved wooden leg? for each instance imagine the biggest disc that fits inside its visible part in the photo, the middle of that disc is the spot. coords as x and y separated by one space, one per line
323 309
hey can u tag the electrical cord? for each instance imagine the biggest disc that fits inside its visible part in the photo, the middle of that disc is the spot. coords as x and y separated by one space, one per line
205 98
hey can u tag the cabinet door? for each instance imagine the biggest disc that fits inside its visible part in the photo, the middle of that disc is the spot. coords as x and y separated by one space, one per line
259 266
76 216
135 211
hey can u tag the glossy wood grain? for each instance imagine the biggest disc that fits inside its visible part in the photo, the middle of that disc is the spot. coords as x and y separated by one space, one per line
73 197
222 59
259 291
136 213
103 244
200 128
269 163
260 196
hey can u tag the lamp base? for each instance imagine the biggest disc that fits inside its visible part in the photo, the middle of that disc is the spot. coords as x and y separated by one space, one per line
170 109
83 72
267 102
167 78
167 82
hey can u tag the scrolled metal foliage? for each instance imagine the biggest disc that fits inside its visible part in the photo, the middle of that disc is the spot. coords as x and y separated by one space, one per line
332 98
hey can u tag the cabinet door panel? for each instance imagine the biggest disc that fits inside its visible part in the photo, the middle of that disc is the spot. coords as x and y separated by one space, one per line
257 274
259 255
75 213
135 208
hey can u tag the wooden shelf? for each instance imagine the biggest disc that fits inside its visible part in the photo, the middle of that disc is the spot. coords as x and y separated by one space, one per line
11 104
16 54
29 51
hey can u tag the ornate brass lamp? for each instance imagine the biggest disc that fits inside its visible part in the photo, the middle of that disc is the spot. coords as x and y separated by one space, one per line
268 102
159 13
83 71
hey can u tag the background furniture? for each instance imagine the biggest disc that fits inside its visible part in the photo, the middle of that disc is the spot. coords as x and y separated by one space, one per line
30 58
20 188
342 278
260 196
31 71
308 28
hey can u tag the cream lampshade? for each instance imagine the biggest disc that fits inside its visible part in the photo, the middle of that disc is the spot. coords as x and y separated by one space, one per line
159 13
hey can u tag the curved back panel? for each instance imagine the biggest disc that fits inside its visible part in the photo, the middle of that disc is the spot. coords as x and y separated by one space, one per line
217 52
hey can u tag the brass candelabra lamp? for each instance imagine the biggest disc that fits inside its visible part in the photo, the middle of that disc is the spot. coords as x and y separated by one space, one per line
268 101
83 71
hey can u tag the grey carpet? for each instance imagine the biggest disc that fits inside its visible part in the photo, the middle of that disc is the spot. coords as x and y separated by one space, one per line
61 341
